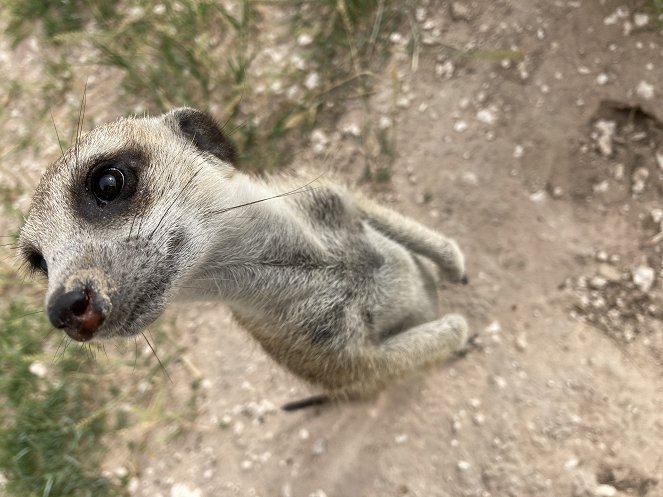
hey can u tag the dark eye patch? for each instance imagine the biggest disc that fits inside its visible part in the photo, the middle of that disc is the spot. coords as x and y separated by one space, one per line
106 192
36 261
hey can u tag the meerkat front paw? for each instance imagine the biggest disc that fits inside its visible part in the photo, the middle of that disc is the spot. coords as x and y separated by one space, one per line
454 270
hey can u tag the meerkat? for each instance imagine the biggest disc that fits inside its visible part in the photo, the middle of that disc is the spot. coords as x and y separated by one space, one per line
336 288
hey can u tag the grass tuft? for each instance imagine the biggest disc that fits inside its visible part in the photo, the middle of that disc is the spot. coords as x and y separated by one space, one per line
48 444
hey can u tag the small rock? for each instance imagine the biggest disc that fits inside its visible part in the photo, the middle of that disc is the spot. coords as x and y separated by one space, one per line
396 38
598 282
639 180
487 116
538 196
385 122
470 178
610 273
351 129
319 446
401 439
605 491
318 493
521 342
304 40
464 465
312 81
604 137
518 152
659 160
445 70
571 464
500 382
640 20
479 419
132 486
304 434
319 141
602 256
493 327
460 11
460 126
656 215
643 277
182 490
38 369
645 90
602 79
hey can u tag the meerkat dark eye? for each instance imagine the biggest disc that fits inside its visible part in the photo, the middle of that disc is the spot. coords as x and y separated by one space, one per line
107 184
38 263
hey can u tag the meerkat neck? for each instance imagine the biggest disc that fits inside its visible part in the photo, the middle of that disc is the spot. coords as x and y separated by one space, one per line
246 244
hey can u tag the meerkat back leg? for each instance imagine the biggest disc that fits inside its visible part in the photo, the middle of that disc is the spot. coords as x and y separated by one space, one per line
443 251
409 350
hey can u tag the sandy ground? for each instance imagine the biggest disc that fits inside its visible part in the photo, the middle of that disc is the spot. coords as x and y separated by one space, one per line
558 218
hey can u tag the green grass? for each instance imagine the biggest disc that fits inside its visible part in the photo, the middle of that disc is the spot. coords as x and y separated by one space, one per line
167 53
199 53
51 428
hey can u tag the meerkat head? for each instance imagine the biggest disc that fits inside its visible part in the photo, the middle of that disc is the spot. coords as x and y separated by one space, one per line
116 222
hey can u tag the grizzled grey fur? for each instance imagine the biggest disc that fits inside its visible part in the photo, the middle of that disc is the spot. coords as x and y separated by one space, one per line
336 288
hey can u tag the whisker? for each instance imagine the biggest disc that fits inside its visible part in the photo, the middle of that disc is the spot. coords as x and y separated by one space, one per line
302 189
57 135
157 357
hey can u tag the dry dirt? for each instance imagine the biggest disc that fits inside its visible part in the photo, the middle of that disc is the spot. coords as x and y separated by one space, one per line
558 217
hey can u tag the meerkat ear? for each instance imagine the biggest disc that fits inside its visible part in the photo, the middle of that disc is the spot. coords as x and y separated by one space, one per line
203 131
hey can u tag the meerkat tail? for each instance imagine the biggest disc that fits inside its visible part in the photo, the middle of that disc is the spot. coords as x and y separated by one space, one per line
316 400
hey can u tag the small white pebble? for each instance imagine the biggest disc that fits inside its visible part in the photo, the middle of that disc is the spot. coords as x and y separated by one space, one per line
385 122
643 277
518 151
538 196
521 342
463 465
132 487
487 116
479 419
500 382
602 79
352 129
319 446
182 490
460 126
493 327
640 20
312 81
605 491
645 90
304 40
38 369
401 439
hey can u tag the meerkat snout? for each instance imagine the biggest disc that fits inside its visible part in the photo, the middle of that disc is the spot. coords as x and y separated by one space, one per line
79 312
144 211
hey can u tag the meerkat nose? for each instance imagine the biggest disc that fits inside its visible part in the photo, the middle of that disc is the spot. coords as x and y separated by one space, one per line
77 312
